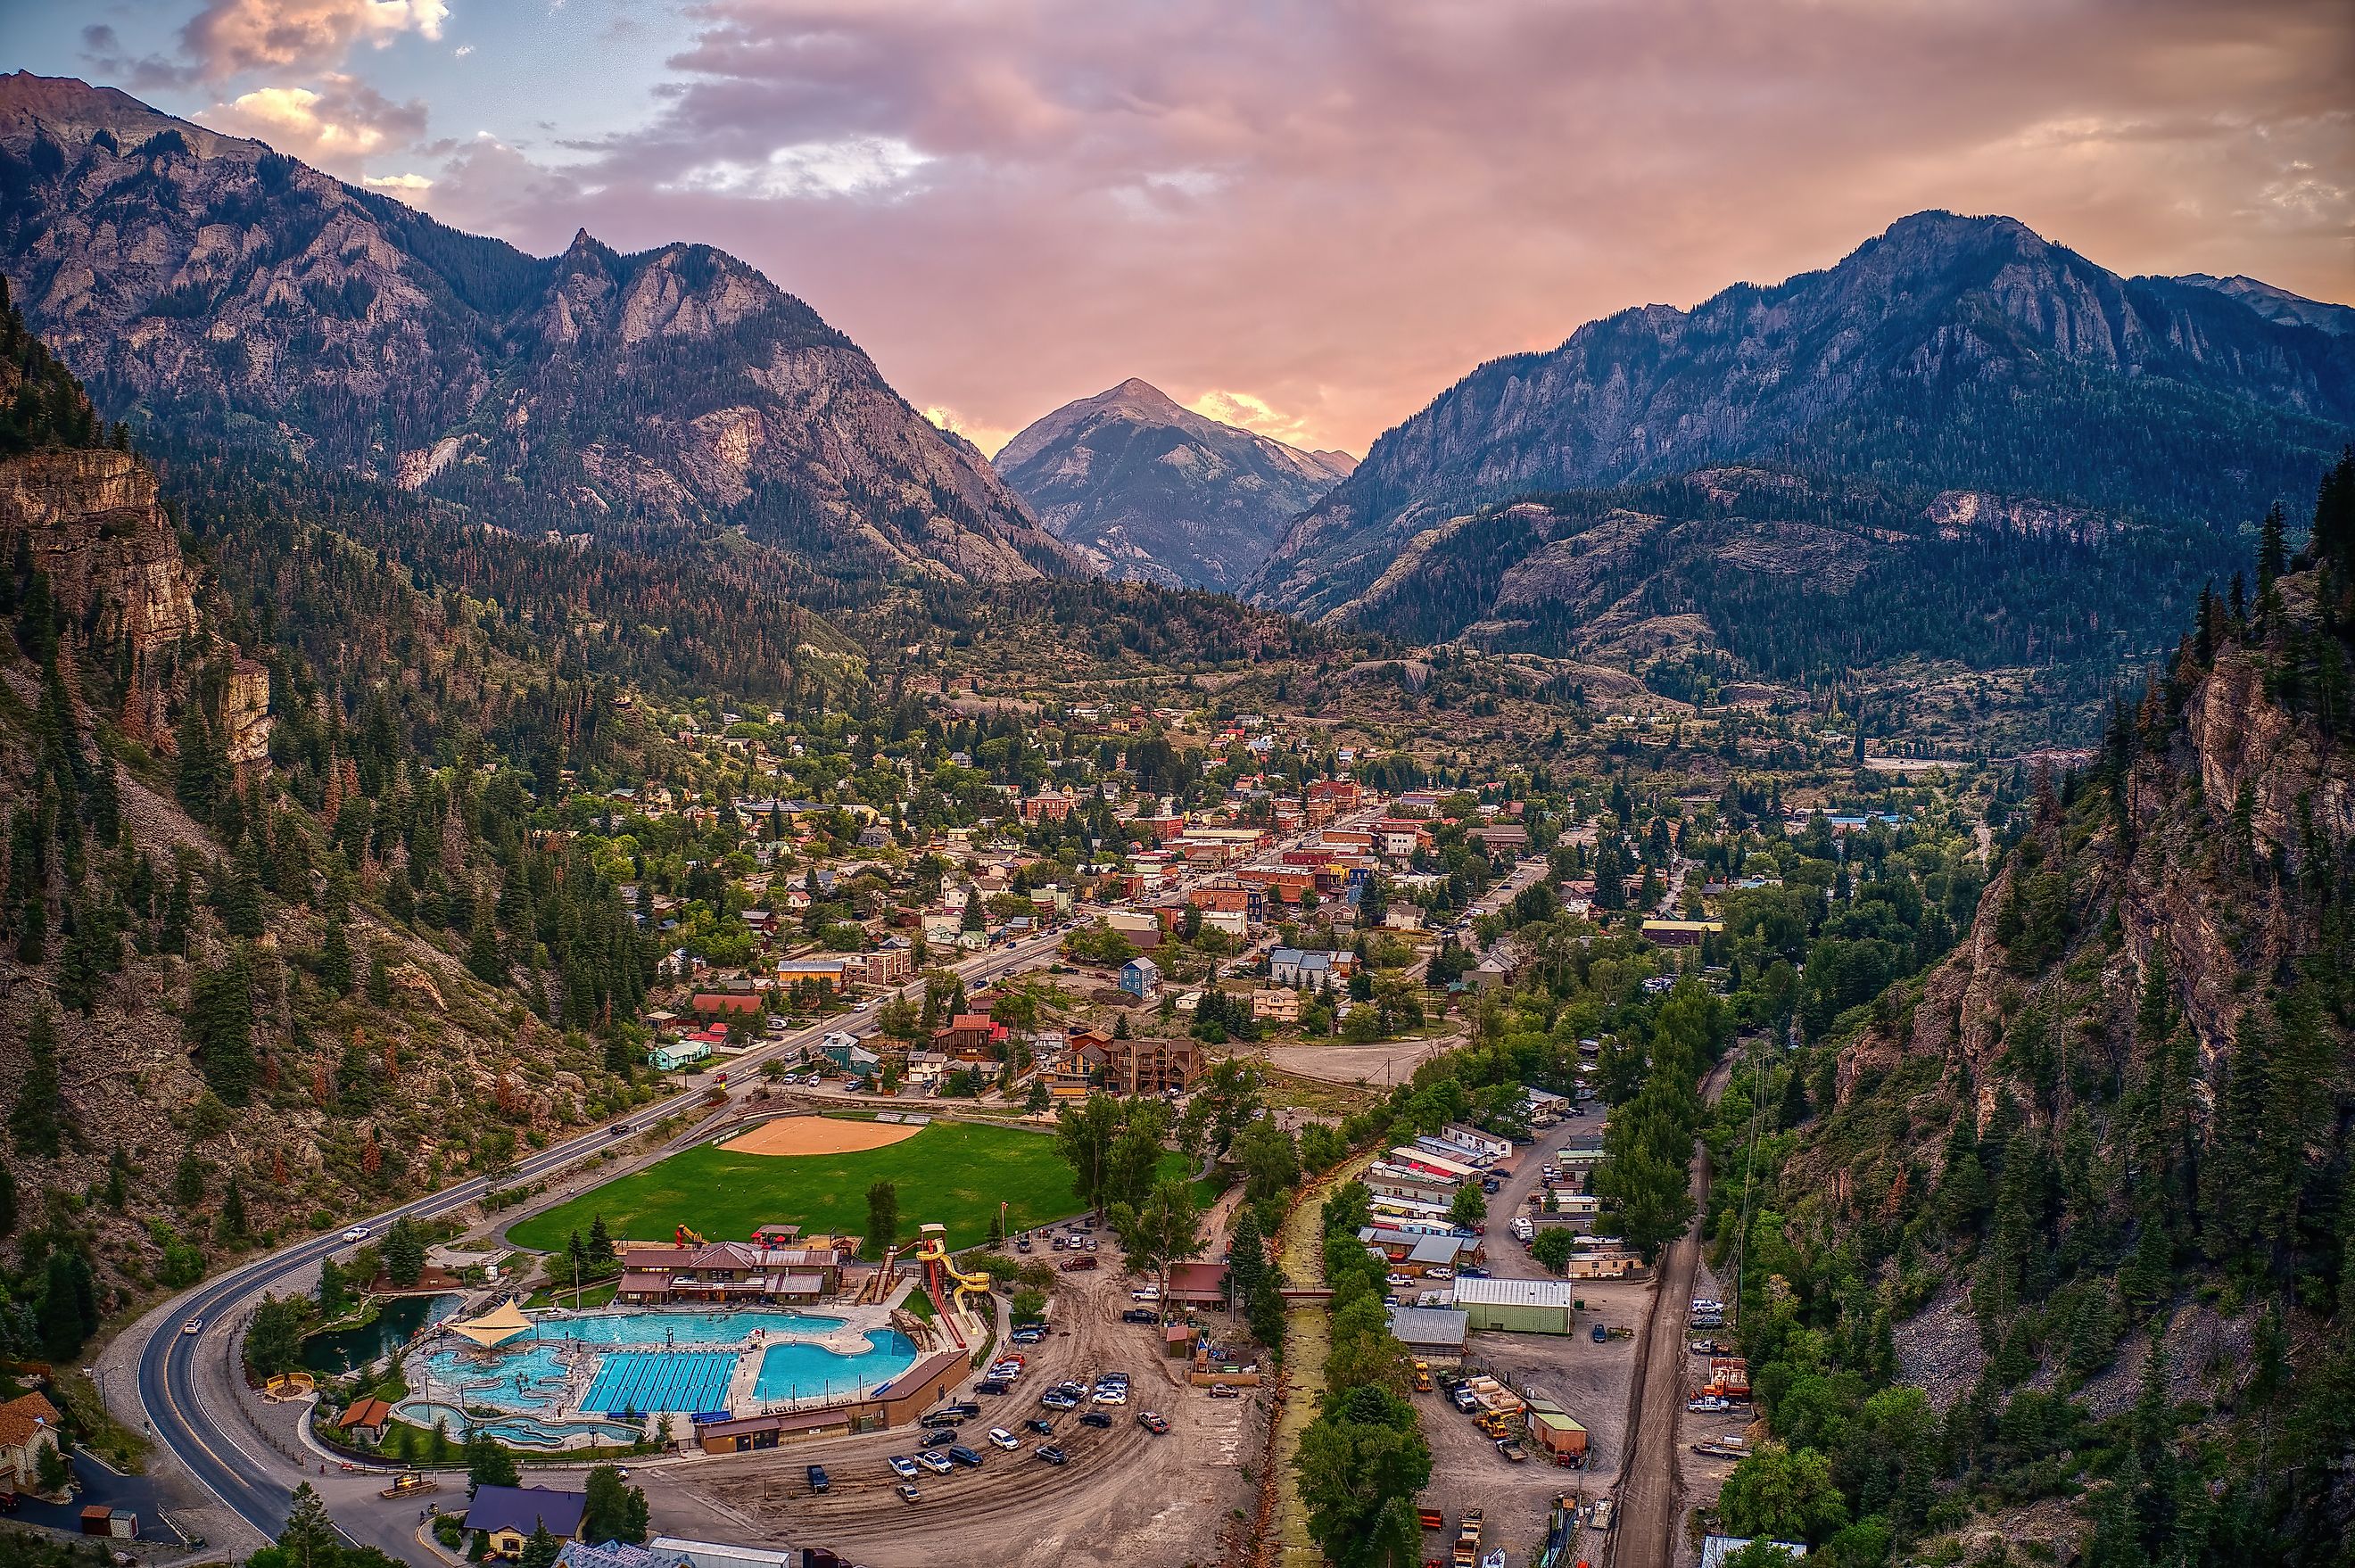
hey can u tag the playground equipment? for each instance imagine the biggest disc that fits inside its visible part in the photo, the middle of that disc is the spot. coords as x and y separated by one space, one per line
683 1237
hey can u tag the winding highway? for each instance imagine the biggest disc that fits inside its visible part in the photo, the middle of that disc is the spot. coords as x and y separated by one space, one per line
218 1455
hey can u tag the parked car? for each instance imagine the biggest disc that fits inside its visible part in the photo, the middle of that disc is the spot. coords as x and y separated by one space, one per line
1052 1455
1043 1428
1112 1395
1000 1437
1096 1418
1466 1399
1439 1273
947 1416
1512 1450
1080 1264
1225 1391
908 1494
820 1482
902 1466
933 1461
936 1437
1398 1281
992 1385
1056 1399
962 1455
964 1410
1062 1242
1152 1422
1140 1315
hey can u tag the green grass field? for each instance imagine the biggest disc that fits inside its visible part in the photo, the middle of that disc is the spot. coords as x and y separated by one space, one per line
951 1173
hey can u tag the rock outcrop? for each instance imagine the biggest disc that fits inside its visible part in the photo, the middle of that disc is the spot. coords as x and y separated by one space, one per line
91 520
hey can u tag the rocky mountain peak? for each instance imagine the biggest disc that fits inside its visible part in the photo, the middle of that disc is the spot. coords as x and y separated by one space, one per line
1941 354
676 388
1149 489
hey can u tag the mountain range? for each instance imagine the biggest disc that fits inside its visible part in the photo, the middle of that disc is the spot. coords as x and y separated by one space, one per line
206 286
1151 491
1964 364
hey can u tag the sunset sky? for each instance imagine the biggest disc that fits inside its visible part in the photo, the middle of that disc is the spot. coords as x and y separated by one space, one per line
1306 218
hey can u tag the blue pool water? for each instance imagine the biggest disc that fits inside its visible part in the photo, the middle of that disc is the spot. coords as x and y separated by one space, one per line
691 1380
520 1431
800 1371
683 1327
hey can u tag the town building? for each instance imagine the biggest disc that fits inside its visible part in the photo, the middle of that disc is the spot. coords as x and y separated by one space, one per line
29 1427
1517 1306
1143 1066
1432 1334
1140 976
509 1516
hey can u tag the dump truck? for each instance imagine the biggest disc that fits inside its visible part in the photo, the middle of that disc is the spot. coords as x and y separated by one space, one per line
1729 1378
1431 1518
1468 1538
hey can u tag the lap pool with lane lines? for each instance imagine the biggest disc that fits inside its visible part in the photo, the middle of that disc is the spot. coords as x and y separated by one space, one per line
692 1381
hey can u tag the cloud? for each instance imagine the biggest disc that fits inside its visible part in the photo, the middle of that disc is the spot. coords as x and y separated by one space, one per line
850 166
231 37
336 125
407 187
989 438
1343 207
1247 412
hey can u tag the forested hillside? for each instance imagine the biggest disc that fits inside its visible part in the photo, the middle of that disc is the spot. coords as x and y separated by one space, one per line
285 938
2065 1230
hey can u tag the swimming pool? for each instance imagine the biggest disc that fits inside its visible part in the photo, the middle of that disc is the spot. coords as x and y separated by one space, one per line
520 1431
723 1327
792 1372
691 1380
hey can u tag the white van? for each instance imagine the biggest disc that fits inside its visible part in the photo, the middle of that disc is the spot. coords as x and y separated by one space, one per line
1524 1229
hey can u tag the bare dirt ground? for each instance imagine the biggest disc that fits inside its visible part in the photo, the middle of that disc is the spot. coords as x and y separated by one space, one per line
1126 1497
1394 1062
819 1134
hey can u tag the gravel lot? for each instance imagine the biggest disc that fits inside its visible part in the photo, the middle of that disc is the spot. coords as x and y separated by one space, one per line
1126 1497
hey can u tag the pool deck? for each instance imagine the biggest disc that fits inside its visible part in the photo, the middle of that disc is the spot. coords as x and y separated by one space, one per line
859 1329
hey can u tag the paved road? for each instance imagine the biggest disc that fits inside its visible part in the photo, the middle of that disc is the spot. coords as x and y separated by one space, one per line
1651 1493
226 1457
222 1451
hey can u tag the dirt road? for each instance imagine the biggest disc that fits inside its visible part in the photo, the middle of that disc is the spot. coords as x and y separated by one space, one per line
1651 1495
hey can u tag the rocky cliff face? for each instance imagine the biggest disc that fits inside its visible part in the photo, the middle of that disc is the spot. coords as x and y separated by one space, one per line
218 289
91 523
1151 491
1949 353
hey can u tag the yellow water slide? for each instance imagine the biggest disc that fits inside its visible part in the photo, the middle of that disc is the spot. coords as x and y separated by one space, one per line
934 1249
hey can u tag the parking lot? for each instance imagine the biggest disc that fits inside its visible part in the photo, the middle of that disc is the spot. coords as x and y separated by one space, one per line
1126 1496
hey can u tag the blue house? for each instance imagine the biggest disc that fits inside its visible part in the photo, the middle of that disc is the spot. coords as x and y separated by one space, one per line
1139 976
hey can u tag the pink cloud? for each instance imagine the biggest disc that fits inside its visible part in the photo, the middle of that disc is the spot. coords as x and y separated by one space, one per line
230 37
1341 206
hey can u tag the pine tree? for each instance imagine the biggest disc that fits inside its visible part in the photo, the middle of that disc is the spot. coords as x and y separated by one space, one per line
219 1029
35 1123
231 1227
483 959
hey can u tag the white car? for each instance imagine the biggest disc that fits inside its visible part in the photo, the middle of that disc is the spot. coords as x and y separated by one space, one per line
356 1233
193 1326
1004 1439
1111 1394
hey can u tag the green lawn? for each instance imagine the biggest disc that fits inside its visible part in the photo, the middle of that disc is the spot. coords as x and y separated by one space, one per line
953 1173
